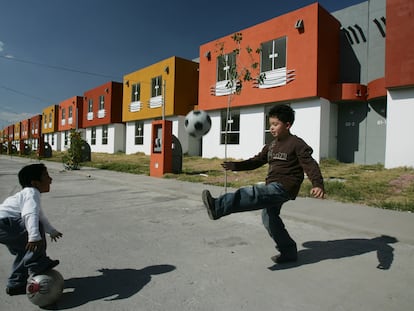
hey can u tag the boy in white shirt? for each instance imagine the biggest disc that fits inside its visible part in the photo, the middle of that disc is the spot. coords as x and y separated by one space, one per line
23 226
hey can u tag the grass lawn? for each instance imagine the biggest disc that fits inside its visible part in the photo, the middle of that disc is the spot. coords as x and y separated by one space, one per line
372 185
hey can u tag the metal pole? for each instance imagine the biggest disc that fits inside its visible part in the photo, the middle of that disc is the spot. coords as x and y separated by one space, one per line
163 99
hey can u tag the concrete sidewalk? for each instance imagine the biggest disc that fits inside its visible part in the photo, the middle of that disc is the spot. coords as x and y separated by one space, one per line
134 242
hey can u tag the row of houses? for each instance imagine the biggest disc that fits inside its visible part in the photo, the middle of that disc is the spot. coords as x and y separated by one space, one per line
348 74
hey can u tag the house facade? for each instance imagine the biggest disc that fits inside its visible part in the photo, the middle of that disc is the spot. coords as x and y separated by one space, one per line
35 131
68 118
50 126
165 90
298 53
102 118
331 68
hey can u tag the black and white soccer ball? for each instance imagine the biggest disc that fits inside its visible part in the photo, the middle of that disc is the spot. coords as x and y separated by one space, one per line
197 123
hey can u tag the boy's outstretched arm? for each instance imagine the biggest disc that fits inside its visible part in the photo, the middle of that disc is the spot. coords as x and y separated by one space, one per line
228 166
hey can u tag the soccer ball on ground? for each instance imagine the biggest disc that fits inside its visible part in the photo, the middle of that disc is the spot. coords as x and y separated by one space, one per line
197 123
45 289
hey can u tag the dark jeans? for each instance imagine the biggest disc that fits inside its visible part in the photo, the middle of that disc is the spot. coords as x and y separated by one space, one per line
13 234
270 199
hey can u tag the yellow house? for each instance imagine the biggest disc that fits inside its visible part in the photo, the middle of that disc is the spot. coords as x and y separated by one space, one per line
165 90
50 126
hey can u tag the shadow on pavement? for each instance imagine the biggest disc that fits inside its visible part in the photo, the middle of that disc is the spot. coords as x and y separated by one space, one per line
317 251
113 284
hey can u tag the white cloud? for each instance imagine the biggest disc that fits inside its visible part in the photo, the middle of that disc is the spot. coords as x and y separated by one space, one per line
9 118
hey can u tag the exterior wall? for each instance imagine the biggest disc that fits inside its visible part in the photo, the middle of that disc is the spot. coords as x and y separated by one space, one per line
54 140
399 64
112 112
313 74
399 145
177 130
116 139
67 121
314 119
251 135
24 129
110 115
313 59
35 125
399 80
130 139
179 96
50 125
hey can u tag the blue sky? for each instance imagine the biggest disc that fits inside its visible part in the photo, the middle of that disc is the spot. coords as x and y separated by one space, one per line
51 50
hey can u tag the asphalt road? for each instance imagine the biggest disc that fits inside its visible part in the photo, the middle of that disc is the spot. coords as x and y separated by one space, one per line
141 243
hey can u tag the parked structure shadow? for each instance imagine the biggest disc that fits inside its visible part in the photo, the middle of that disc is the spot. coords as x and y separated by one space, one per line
317 251
112 284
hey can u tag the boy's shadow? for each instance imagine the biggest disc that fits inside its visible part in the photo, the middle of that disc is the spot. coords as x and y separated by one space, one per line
322 250
113 284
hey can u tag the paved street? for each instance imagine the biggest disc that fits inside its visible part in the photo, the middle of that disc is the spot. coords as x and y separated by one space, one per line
141 243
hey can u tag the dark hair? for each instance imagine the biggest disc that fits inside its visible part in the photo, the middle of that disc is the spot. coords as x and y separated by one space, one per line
283 112
29 173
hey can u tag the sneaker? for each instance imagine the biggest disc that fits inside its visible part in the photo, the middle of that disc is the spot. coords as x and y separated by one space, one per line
208 201
13 291
284 258
49 266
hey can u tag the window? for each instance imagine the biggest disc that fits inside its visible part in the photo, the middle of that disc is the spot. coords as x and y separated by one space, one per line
273 55
63 114
93 136
273 64
156 86
226 71
66 138
233 127
70 112
90 105
136 92
101 102
104 134
139 133
226 65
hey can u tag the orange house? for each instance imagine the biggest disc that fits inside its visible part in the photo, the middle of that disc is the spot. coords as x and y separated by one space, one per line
102 118
69 117
24 129
297 55
35 125
304 45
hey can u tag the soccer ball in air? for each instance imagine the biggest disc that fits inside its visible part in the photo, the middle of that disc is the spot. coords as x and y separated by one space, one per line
197 123
45 289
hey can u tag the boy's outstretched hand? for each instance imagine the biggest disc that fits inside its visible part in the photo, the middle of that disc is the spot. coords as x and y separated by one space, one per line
55 235
228 166
317 192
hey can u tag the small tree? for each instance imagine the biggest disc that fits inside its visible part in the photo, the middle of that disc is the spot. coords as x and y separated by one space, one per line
73 158
238 73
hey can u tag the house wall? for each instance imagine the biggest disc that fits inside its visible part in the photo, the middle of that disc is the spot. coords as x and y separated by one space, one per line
399 149
116 138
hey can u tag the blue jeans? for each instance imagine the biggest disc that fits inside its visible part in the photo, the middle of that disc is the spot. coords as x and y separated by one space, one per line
270 199
13 234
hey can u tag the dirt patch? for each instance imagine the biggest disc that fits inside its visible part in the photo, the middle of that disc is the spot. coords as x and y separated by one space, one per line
402 182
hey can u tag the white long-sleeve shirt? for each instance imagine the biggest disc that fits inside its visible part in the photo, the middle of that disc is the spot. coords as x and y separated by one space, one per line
25 204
